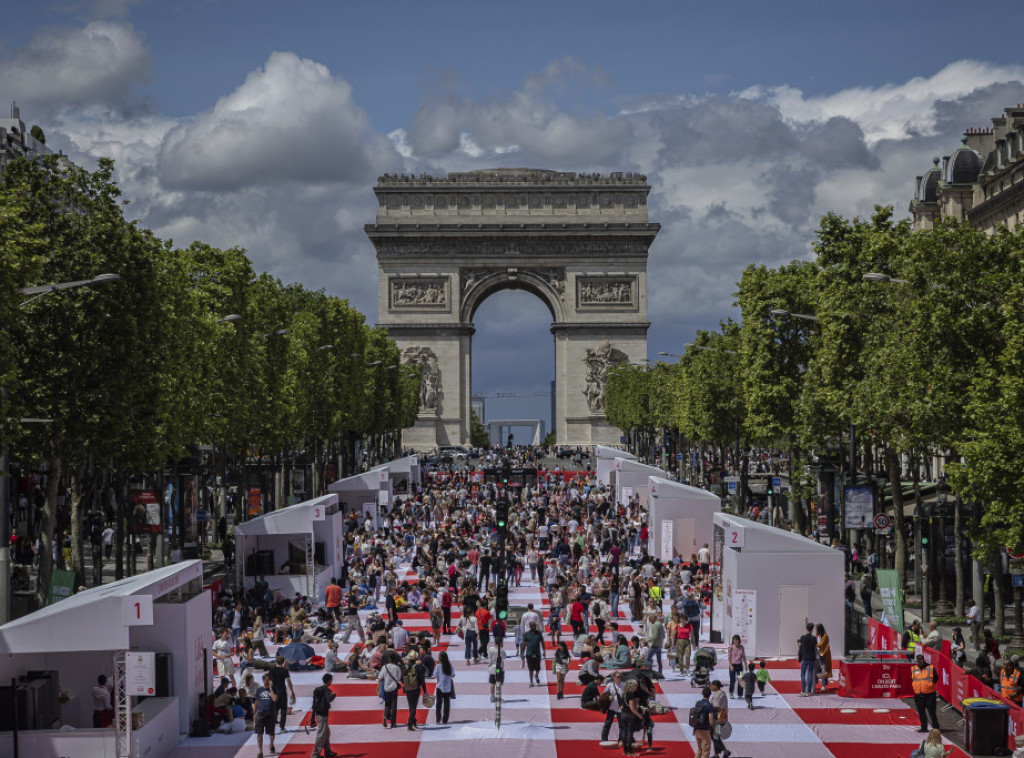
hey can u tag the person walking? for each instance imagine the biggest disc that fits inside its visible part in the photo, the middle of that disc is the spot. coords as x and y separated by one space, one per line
266 710
923 679
866 585
720 702
390 679
655 642
614 714
560 667
332 599
282 682
737 664
444 672
683 636
807 655
352 618
414 680
534 642
323 696
704 723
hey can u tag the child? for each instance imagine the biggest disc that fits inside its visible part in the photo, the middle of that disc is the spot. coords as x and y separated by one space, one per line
749 682
763 677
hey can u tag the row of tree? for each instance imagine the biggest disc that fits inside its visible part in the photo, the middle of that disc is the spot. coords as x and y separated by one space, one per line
189 346
899 346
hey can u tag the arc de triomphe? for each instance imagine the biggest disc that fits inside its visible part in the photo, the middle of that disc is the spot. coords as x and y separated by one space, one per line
578 242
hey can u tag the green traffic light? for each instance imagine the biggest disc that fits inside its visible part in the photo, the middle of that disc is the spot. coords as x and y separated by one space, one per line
924 540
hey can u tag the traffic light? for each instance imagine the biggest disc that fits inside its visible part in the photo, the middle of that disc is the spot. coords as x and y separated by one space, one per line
770 488
501 602
501 514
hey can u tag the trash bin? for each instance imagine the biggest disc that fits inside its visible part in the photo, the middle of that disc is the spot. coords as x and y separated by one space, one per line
986 725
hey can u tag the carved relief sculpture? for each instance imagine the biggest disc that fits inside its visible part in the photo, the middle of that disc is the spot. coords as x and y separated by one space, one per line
606 291
430 381
406 293
599 359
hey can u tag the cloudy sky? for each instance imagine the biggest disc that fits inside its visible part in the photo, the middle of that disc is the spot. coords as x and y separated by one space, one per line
265 124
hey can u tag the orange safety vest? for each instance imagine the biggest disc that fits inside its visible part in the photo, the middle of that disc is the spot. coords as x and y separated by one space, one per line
1010 685
923 680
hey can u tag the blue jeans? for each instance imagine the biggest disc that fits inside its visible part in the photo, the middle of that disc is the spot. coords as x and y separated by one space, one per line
652 651
807 676
471 645
613 601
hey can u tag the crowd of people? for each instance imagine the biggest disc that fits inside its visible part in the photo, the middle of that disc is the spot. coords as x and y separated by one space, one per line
436 551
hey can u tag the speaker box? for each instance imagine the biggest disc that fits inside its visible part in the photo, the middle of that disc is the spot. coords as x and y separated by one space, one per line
7 700
163 675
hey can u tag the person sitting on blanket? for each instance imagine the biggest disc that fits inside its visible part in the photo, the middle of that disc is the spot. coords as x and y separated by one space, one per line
622 658
357 669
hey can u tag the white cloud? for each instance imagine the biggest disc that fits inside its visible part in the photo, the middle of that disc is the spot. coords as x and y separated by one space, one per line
290 121
892 111
61 68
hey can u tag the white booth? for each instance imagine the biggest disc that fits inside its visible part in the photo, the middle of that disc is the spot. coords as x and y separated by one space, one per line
605 461
364 493
295 549
629 477
773 582
681 518
149 634
405 475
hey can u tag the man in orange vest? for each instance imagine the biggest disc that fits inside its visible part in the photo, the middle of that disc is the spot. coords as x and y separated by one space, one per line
1010 685
923 680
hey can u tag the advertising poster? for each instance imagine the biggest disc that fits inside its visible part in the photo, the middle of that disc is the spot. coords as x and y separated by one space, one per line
61 585
667 539
253 502
744 617
860 507
892 603
147 502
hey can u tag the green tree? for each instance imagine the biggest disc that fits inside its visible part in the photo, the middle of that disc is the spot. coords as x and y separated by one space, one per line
478 436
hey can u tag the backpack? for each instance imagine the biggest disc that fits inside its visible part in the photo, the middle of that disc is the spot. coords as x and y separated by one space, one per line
321 702
698 719
410 679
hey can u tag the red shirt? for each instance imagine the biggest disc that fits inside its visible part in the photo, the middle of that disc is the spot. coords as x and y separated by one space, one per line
332 596
576 613
483 618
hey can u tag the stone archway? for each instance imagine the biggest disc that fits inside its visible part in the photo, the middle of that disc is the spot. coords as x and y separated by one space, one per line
578 242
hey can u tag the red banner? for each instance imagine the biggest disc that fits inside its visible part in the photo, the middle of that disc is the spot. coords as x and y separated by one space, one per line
254 502
146 511
875 679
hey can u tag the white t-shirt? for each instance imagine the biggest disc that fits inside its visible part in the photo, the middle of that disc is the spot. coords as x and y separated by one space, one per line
222 648
100 698
704 555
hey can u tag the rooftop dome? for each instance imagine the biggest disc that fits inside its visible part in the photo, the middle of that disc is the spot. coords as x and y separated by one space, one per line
928 189
964 165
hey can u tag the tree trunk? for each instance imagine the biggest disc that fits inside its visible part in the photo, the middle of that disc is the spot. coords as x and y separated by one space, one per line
892 463
75 494
46 531
919 514
120 534
958 558
999 590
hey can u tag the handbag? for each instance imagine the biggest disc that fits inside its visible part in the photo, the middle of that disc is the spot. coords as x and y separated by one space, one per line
428 701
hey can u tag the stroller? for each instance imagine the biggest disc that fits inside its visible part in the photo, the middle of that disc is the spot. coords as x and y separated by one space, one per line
704 661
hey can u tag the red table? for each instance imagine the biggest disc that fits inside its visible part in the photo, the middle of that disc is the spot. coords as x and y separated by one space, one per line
875 679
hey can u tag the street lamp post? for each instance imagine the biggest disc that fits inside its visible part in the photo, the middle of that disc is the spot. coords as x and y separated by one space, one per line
34 293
